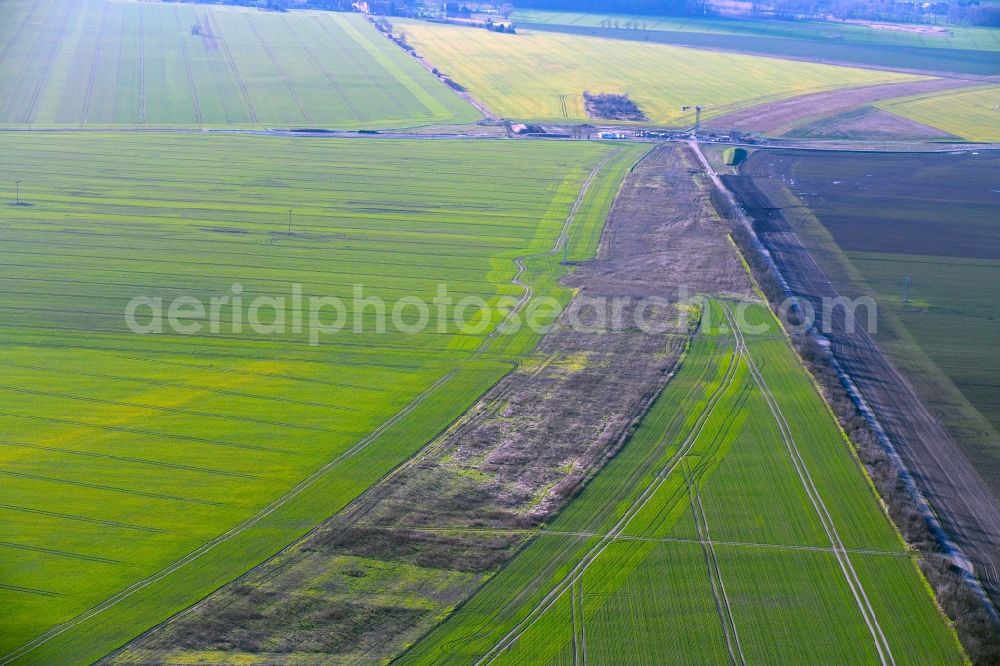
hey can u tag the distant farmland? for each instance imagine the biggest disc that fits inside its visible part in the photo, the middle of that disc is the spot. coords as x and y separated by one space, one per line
120 62
873 219
852 34
973 114
542 76
124 452
734 527
954 49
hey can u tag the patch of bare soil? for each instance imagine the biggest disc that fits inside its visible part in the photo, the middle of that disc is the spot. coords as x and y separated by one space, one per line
611 106
932 30
871 124
776 118
379 574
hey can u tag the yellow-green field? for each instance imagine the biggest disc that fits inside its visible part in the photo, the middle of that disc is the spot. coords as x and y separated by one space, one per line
973 114
542 76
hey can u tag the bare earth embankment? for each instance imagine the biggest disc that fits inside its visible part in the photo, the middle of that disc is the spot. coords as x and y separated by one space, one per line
778 117
384 571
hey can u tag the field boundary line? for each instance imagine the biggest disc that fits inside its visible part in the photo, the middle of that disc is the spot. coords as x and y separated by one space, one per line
851 576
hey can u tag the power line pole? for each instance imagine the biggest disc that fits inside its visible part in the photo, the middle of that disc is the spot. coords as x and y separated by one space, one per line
906 288
697 116
17 192
290 222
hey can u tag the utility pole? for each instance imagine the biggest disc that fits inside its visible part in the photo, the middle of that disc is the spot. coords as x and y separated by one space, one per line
906 288
290 222
17 192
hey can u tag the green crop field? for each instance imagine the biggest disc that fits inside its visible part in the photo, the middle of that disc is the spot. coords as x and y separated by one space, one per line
542 76
734 526
973 113
122 62
934 48
142 471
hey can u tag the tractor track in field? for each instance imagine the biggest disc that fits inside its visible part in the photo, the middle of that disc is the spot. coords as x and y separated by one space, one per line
130 459
193 387
142 66
279 69
91 80
217 34
210 545
561 241
576 574
84 519
29 111
187 65
850 575
324 26
634 537
723 606
112 489
166 410
146 433
118 66
18 31
325 72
